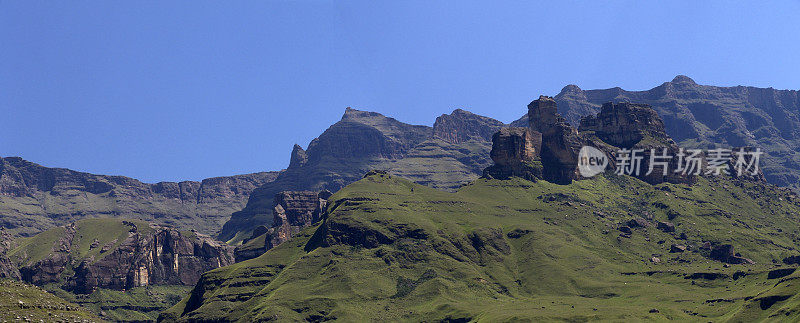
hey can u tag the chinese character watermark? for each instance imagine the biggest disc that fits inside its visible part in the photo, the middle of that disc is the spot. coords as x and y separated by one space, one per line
718 161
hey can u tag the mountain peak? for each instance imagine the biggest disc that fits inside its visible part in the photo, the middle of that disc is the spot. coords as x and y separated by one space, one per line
572 88
360 116
460 111
462 125
683 79
298 157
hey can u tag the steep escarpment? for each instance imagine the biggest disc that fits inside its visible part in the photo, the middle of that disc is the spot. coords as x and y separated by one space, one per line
516 152
34 198
451 153
558 145
117 254
561 143
700 116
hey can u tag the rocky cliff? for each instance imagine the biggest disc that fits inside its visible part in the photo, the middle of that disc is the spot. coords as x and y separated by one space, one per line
117 254
293 211
560 141
702 116
451 153
34 198
636 126
617 126
7 268
516 152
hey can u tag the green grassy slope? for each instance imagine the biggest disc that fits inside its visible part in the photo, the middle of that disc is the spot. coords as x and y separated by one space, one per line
518 250
22 302
138 304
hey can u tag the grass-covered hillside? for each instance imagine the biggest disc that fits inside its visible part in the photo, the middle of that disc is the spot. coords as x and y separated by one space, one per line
518 250
20 302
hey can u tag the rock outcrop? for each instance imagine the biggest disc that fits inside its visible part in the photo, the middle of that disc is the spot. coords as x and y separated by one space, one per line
561 143
516 152
293 211
56 196
625 124
166 257
725 253
298 157
636 126
138 255
706 116
617 126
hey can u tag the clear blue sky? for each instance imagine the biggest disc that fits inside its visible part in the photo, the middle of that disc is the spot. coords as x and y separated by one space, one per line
185 90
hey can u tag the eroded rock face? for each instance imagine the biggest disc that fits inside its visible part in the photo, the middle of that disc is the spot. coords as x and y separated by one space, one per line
561 143
166 257
293 211
625 124
637 126
617 126
156 256
710 115
298 157
516 152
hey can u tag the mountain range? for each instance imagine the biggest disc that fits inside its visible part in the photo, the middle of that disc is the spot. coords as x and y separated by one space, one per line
452 220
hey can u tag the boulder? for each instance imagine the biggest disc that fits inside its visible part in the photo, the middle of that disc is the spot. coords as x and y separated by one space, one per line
638 223
666 226
726 254
722 252
676 248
